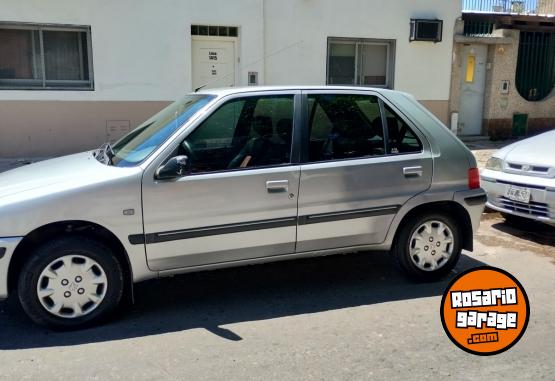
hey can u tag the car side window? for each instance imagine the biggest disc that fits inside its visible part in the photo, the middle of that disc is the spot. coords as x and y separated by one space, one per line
344 126
401 138
243 133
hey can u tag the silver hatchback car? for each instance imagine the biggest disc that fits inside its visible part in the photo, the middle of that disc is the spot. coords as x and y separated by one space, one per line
232 177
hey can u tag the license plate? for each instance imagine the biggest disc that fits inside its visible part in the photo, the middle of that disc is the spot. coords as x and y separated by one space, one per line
518 194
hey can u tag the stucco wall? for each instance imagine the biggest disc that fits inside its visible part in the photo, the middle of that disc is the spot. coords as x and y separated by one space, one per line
500 108
141 48
142 53
421 68
52 128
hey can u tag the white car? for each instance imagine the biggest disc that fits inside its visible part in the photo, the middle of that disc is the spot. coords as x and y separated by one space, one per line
520 179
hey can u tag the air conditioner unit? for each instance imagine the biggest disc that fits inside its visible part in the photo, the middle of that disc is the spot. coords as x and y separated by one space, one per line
426 30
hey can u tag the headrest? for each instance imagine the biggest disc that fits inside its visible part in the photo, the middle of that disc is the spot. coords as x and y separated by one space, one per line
263 125
284 127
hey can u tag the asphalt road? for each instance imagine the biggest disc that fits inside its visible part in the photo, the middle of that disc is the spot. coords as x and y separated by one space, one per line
342 317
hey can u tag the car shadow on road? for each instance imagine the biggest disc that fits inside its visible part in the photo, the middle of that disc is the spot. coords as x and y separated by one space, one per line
211 300
529 230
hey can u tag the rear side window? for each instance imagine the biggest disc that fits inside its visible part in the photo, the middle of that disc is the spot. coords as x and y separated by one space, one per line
401 138
344 127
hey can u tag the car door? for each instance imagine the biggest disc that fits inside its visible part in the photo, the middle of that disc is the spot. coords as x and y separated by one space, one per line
238 200
356 172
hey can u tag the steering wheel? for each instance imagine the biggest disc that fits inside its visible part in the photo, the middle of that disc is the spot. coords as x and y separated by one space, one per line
188 150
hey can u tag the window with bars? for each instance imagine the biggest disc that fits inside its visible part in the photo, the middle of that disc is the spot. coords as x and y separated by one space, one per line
478 28
214 30
45 57
535 72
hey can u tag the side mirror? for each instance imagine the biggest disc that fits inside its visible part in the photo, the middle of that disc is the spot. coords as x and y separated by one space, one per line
175 167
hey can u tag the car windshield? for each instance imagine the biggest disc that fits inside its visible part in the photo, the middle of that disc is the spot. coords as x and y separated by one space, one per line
136 146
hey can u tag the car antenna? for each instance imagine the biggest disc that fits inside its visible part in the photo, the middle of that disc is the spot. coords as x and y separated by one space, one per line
200 88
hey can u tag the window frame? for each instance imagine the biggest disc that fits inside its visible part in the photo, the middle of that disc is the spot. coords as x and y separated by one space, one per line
170 151
390 61
305 133
25 84
416 132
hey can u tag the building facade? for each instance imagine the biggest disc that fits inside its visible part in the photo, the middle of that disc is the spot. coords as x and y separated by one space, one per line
504 68
76 73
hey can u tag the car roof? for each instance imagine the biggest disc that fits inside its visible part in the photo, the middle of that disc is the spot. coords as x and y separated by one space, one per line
249 89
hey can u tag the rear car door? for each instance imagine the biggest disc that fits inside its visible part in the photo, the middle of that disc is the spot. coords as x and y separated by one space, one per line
361 162
239 200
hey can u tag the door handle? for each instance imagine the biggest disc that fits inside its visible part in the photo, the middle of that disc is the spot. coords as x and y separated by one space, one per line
413 171
277 186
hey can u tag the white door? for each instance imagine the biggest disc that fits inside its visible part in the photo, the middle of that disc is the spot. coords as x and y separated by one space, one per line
213 62
473 81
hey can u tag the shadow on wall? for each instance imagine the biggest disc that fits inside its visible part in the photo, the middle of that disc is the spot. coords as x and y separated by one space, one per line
212 299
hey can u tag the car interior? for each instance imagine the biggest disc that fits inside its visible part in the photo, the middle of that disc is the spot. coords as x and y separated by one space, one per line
343 127
250 132
257 132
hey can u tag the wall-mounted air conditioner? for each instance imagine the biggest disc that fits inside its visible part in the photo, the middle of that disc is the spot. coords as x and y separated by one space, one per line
426 30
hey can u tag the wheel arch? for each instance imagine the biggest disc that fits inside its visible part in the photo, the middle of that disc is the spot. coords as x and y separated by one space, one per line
64 229
450 207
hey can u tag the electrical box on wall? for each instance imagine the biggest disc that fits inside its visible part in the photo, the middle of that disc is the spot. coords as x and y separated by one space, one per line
115 129
504 88
426 30
253 78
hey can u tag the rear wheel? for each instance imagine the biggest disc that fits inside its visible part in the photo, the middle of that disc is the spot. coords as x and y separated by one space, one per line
71 282
428 246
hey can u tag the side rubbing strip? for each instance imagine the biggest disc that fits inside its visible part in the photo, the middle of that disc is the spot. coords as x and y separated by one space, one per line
219 229
348 215
139 239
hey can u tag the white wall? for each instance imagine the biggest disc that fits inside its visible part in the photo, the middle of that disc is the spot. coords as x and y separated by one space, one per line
422 68
141 48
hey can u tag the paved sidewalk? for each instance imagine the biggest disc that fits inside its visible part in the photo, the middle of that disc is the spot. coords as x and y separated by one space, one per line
484 148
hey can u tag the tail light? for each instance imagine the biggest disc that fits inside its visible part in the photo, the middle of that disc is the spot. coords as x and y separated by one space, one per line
473 178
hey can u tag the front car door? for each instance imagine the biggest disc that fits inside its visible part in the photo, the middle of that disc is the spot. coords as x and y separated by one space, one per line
239 199
362 162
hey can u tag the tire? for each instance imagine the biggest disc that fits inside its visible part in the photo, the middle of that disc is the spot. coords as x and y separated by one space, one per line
411 233
60 265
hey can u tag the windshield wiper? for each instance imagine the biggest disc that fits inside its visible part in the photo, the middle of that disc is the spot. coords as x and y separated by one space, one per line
105 154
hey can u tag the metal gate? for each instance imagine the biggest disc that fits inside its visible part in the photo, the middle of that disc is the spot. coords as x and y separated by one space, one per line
535 73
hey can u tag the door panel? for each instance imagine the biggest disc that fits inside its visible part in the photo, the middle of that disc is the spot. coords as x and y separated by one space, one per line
351 194
213 62
221 217
473 80
239 200
361 197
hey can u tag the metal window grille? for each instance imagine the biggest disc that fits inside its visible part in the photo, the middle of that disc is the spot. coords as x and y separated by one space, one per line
535 77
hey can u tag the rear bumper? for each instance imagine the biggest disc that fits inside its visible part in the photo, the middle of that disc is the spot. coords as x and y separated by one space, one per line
474 201
542 197
7 248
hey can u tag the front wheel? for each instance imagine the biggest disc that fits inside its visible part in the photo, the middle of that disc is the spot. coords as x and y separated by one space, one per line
428 246
70 283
